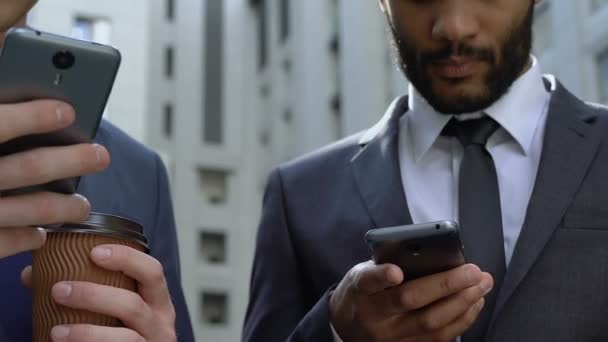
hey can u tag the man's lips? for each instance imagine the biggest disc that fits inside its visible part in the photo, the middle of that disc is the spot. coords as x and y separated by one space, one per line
456 67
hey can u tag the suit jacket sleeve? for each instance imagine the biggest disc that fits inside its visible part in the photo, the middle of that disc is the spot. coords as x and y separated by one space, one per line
281 307
163 246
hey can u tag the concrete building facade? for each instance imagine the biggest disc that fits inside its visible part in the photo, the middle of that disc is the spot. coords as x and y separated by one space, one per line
572 43
216 189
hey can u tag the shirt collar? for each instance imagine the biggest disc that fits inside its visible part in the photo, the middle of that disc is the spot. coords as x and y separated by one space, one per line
518 112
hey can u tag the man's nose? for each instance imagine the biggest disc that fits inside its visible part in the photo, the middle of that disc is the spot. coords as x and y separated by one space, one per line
455 22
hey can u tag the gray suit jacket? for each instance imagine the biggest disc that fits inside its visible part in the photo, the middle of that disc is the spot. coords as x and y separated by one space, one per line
134 186
318 208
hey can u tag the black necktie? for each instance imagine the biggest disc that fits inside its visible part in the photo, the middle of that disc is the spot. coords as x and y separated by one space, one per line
479 210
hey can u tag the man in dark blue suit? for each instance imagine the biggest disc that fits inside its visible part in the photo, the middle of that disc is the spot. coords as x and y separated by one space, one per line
133 185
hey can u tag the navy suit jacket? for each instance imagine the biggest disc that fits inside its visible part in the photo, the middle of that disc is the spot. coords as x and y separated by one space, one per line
318 208
134 186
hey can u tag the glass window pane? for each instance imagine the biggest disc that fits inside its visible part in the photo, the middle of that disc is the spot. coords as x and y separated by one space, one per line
213 122
214 186
169 62
262 32
170 9
92 29
82 29
168 120
214 308
284 20
213 247
598 4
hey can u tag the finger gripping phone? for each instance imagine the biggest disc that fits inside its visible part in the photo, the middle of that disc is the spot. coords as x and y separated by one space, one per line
38 65
419 249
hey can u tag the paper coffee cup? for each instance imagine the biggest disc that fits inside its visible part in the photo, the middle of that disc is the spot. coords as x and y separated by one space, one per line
66 257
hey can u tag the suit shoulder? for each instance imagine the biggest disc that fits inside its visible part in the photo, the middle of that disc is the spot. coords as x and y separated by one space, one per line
135 171
599 109
327 160
121 146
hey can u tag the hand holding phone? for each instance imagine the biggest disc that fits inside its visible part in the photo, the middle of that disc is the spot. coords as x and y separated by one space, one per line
419 249
372 303
20 215
52 94
39 65
417 285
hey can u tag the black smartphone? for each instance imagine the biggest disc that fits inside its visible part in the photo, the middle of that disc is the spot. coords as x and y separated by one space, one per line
419 249
38 65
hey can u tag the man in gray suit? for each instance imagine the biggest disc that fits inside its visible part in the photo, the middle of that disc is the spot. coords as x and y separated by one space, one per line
484 139
134 185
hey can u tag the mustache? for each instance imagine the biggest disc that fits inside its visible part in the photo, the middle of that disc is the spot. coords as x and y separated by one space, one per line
457 50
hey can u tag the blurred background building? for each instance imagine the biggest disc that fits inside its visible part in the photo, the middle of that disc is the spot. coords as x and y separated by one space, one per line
571 41
225 89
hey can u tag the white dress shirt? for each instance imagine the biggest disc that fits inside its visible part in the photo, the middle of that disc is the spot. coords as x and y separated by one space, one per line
430 162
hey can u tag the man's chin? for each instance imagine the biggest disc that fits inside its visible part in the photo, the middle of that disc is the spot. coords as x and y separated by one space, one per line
458 103
455 103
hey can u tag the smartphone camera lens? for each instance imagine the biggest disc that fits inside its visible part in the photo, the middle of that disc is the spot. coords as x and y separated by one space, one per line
64 60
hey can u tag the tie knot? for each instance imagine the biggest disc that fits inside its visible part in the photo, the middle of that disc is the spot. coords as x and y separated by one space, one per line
476 131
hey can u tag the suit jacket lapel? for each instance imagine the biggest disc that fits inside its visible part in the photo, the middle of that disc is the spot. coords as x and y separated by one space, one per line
377 173
570 143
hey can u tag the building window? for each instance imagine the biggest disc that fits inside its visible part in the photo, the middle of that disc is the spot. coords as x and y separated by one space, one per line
287 116
169 62
82 29
287 65
170 9
264 137
92 29
285 20
168 120
334 40
262 34
336 112
214 186
596 5
603 76
213 247
334 44
214 308
213 125
543 28
335 101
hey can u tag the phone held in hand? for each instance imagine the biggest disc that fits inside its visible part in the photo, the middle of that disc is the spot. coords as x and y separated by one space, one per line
419 249
38 65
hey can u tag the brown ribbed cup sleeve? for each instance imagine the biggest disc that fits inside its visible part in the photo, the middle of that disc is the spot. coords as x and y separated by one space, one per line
66 257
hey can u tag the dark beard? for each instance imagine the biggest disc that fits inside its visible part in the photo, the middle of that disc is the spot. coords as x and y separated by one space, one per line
515 54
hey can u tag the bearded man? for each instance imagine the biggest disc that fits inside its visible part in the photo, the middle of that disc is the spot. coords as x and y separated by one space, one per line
483 139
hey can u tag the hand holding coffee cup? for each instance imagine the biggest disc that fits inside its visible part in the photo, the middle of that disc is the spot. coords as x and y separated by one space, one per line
99 286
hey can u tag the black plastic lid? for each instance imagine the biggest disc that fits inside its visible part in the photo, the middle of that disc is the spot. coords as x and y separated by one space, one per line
105 224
